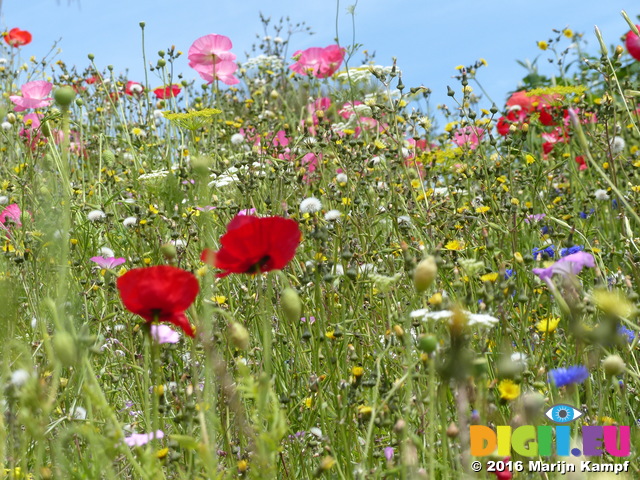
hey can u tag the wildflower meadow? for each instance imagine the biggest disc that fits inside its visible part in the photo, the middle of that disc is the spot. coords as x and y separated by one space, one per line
293 266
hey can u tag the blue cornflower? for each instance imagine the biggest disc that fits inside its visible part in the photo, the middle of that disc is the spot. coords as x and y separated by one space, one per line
508 273
614 203
550 251
566 376
571 250
585 214
625 332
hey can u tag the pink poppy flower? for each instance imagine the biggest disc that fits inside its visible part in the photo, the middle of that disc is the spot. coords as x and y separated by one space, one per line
164 334
210 56
222 71
34 95
468 136
108 262
13 213
139 439
633 44
318 62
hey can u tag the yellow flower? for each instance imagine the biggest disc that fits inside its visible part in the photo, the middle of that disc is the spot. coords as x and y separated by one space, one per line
548 325
483 209
308 402
509 390
489 277
454 245
567 32
542 45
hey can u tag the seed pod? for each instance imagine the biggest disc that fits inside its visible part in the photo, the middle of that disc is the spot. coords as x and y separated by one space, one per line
239 336
425 273
291 304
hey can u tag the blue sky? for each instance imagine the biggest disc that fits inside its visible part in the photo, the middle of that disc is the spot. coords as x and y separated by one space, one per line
429 38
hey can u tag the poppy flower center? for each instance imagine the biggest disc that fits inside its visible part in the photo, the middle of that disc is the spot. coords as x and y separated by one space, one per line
257 267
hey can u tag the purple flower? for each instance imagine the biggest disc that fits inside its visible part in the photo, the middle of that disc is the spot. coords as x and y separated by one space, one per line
108 262
388 453
139 439
208 208
247 211
534 218
164 334
569 265
566 376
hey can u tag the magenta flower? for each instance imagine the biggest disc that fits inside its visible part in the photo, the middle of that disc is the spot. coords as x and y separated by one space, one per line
210 56
569 265
468 136
108 262
247 211
11 212
139 439
318 62
164 334
34 95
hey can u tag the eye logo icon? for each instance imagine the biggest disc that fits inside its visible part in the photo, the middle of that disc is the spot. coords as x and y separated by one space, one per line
562 413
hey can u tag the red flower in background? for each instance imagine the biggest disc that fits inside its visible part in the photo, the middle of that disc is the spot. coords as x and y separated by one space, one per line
134 88
17 38
255 245
633 44
161 293
168 92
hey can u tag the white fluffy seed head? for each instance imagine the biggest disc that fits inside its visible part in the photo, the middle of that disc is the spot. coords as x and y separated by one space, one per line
95 215
310 205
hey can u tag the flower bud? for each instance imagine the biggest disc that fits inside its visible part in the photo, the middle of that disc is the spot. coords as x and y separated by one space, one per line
65 348
613 365
291 304
238 335
427 343
64 96
425 273
108 156
11 118
168 251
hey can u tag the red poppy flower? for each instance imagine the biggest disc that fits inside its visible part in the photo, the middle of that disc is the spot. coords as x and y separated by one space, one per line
17 38
633 44
255 245
167 92
133 88
161 293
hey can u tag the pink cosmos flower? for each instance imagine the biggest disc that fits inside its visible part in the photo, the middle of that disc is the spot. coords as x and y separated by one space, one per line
11 212
139 439
164 334
108 262
34 95
210 56
468 136
318 62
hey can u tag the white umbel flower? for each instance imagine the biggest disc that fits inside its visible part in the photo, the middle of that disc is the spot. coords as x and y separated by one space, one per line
481 319
601 194
95 215
310 205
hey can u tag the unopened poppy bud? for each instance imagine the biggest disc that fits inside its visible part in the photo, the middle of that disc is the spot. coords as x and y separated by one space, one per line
91 56
161 63
425 273
65 348
613 365
239 336
453 430
168 251
427 343
64 96
291 304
